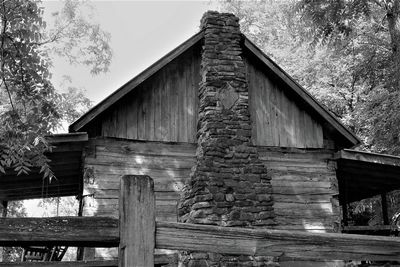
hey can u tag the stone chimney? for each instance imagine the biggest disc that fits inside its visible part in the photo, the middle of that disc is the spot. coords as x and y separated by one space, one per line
229 185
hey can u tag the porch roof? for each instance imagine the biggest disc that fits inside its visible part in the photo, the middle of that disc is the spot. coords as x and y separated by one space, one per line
66 163
363 174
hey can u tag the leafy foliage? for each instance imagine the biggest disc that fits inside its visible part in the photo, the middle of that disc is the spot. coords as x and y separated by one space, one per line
341 51
77 38
29 112
30 107
366 31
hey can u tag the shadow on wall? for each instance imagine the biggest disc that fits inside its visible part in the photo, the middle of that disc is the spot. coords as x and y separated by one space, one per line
168 164
304 189
303 181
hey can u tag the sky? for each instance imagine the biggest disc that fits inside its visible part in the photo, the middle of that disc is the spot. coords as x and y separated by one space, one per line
141 33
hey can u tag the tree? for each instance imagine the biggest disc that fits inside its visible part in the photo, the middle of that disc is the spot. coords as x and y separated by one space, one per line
30 107
336 20
372 29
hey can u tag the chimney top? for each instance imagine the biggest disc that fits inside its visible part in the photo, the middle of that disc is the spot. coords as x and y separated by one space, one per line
214 18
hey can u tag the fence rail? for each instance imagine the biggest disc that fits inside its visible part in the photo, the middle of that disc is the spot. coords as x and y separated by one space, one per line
140 234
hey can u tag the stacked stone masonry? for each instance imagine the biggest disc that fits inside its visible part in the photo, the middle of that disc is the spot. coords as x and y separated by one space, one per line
229 185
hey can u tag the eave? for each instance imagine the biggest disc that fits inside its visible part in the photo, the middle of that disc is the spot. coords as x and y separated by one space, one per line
66 163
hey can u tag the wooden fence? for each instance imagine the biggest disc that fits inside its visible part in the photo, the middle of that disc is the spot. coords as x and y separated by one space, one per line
137 234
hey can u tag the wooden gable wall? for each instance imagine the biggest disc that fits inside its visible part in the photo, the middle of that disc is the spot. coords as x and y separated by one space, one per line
162 108
165 106
278 119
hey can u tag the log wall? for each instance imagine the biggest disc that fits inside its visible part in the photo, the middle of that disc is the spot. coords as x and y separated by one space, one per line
108 159
305 188
304 181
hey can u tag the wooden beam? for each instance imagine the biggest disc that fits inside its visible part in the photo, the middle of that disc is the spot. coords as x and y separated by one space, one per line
103 232
4 205
365 228
159 259
368 157
67 137
385 214
112 263
301 92
70 231
261 242
137 221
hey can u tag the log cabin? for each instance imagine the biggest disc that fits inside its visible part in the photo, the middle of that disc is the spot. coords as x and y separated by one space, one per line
229 138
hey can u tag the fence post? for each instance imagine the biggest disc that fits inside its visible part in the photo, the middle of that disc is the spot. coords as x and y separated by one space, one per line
137 221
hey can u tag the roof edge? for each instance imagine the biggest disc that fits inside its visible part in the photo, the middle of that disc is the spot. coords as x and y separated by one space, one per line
133 83
301 92
368 157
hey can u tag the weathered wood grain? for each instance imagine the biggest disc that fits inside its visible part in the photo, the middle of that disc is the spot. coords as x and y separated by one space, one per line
371 228
299 92
301 245
160 105
178 236
137 221
303 187
299 176
278 120
77 231
109 263
132 84
368 157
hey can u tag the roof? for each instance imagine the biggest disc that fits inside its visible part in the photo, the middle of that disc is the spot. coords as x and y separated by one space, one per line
363 174
293 86
66 163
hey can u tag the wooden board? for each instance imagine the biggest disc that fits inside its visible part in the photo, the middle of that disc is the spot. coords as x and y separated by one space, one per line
168 164
304 185
136 221
303 181
178 236
162 108
300 94
132 84
277 119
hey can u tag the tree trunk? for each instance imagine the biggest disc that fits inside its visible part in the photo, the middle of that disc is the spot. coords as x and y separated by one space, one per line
393 18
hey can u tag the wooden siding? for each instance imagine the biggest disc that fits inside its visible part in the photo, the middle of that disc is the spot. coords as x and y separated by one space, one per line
304 181
305 188
162 108
277 119
108 159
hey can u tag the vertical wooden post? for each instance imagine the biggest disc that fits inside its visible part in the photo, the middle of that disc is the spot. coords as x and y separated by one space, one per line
343 196
385 214
137 221
5 207
80 250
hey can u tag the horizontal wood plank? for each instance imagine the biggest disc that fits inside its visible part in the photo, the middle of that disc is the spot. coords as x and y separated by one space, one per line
70 231
108 263
295 244
158 260
364 228
103 232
